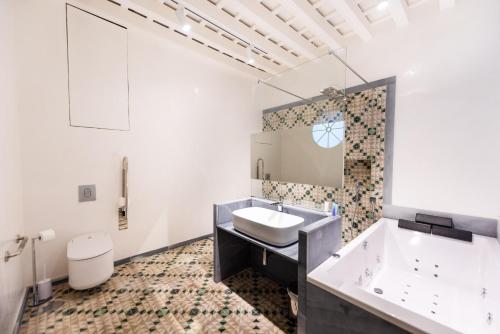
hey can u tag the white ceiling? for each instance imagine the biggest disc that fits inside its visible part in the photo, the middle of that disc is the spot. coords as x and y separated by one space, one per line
280 33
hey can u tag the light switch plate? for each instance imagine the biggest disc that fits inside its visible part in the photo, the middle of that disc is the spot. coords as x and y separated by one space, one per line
86 193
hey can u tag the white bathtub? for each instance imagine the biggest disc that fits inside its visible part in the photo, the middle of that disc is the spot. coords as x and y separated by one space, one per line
430 283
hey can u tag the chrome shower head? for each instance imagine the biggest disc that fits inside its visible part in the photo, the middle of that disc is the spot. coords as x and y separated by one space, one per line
331 91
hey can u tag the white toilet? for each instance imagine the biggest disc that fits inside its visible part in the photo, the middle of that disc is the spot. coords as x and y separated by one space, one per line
90 260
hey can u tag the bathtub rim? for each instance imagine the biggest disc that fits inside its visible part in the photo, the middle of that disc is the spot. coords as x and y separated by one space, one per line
395 314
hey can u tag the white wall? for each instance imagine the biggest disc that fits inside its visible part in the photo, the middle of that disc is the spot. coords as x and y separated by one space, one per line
447 147
11 222
189 145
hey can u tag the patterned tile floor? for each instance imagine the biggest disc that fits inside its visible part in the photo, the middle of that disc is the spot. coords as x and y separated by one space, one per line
170 292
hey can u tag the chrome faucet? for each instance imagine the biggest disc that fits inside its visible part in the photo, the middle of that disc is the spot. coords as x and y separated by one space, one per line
279 205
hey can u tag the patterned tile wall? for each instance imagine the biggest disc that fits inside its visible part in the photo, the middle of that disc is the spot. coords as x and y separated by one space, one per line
364 119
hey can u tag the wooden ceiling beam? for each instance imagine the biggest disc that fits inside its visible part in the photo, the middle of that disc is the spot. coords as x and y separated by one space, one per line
315 22
229 23
353 16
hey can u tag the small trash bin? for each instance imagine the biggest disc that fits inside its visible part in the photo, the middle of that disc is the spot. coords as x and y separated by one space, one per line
293 293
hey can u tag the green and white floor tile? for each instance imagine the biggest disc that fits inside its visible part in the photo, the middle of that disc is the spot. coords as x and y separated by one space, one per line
170 292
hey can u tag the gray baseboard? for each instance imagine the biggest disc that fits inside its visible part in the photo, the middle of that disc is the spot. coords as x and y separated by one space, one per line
21 312
62 280
162 249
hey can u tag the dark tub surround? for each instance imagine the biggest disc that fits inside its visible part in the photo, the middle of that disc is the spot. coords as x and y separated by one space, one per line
234 251
317 242
327 312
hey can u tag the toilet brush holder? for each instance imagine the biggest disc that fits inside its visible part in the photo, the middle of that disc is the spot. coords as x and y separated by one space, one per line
44 288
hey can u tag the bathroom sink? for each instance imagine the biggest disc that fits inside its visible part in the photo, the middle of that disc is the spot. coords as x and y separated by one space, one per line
272 227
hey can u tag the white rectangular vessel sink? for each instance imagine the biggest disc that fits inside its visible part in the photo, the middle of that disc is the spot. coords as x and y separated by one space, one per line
272 227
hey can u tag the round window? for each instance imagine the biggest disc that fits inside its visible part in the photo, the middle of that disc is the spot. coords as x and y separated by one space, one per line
328 134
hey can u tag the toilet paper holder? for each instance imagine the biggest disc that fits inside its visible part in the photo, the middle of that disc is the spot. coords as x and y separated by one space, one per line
45 235
22 243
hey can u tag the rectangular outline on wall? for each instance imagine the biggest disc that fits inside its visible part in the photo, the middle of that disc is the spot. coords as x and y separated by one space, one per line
67 59
390 110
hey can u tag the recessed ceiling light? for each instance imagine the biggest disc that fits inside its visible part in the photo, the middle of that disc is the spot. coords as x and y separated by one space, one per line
250 58
411 72
382 5
181 16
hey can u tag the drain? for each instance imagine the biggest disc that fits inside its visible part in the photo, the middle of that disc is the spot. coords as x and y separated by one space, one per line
379 291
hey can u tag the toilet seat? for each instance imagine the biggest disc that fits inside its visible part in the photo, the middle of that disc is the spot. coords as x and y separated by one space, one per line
88 246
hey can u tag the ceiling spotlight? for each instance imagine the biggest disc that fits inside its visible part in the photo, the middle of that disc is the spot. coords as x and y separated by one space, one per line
250 58
382 5
181 16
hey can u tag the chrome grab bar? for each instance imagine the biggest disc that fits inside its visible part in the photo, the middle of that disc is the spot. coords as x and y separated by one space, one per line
22 243
123 210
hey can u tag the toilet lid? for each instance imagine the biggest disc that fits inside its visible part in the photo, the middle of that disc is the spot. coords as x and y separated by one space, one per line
89 245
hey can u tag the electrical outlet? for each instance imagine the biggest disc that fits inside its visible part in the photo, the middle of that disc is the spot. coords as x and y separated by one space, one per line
86 193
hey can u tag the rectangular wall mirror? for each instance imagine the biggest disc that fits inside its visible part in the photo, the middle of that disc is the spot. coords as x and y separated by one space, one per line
308 155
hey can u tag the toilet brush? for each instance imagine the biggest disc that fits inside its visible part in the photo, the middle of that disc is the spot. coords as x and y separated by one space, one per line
42 236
